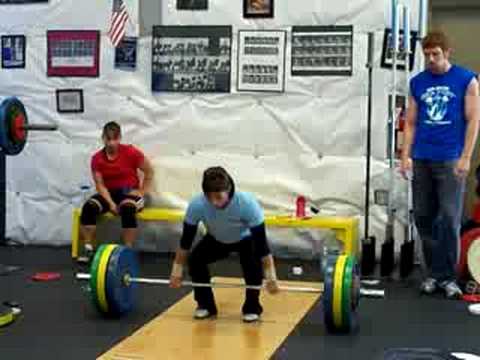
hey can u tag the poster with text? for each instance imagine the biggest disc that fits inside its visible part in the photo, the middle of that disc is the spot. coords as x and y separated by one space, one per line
73 53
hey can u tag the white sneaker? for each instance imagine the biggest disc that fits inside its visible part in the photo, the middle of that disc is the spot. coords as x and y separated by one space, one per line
249 318
429 286
452 290
200 314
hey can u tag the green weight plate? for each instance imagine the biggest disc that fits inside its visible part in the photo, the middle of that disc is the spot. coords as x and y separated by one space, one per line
348 296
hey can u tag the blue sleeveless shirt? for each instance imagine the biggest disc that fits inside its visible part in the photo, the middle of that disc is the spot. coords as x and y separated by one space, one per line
441 123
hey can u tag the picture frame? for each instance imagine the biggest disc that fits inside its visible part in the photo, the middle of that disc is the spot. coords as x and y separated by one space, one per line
73 53
191 59
194 5
258 8
387 53
69 101
13 51
322 50
261 60
16 2
381 197
126 54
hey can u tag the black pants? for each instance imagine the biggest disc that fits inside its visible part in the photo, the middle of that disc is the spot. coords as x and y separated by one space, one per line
208 251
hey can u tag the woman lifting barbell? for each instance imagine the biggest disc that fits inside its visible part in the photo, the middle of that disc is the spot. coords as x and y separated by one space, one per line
115 170
235 223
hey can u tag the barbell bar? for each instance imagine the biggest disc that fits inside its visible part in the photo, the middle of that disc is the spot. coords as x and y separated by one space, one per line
40 127
113 280
371 293
14 126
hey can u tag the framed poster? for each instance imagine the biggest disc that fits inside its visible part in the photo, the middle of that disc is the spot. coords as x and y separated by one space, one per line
191 58
258 8
192 4
126 54
322 50
69 100
387 50
73 53
8 2
13 51
381 197
261 60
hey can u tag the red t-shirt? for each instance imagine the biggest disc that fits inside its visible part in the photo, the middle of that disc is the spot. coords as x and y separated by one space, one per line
120 172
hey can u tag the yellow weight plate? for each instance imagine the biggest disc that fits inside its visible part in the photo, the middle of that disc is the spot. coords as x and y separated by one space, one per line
6 316
101 278
338 291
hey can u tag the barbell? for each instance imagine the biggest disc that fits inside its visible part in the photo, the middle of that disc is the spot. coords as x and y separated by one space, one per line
14 126
113 281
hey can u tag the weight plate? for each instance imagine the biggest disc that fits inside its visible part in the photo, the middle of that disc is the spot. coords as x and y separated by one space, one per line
356 284
4 125
102 278
347 296
121 295
93 274
327 300
351 294
12 114
467 239
6 315
474 260
18 132
338 291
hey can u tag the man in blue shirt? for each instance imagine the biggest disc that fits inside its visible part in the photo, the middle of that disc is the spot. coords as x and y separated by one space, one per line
439 139
235 223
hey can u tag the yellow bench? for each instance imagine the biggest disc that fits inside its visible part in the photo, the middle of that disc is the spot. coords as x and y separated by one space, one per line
346 228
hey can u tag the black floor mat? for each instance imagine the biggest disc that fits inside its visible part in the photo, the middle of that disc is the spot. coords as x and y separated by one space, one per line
58 321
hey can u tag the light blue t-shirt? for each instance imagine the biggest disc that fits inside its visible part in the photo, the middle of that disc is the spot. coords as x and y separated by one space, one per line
441 122
228 225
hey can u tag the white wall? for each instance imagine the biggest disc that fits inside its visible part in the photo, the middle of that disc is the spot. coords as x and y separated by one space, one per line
310 140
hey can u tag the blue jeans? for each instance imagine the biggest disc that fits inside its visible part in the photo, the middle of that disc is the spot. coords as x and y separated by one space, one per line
438 206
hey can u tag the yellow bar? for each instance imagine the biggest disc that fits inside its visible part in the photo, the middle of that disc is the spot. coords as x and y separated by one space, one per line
346 228
75 232
175 335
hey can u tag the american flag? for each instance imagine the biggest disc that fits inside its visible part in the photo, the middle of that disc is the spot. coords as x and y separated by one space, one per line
118 22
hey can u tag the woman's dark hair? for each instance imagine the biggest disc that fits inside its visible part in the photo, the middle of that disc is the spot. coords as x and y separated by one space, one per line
216 179
112 129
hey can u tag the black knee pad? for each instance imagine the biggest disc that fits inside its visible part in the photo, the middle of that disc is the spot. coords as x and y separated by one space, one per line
128 212
90 212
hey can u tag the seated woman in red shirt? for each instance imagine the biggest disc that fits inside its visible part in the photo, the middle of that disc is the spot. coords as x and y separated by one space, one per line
115 170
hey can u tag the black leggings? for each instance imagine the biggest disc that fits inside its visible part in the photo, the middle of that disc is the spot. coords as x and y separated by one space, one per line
208 251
